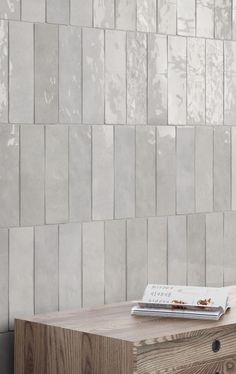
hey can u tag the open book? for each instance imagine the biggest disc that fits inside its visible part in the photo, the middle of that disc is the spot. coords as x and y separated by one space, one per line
182 302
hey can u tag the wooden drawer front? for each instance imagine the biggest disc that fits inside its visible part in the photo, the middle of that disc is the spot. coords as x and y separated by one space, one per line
226 366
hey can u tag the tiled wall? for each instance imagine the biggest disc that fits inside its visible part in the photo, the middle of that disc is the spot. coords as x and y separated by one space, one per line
117 151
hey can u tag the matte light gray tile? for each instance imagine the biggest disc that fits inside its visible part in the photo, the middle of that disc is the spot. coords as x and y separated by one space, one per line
233 167
205 18
81 12
10 9
223 16
9 175
186 17
204 169
21 273
46 269
56 189
93 264
7 353
157 250
196 71
115 261
70 266
32 175
4 276
229 83
196 250
93 76
214 82
157 79
33 10
145 171
137 258
166 21
21 73
4 71
166 170
214 250
233 19
177 250
80 173
126 14
104 13
69 74
58 11
124 171
177 80
115 77
185 170
46 73
136 78
222 179
146 15
229 248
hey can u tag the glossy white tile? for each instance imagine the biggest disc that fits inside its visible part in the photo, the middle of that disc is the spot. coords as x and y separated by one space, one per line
4 280
146 15
186 22
4 53
205 18
157 250
126 14
104 13
58 11
33 10
229 248
166 13
81 12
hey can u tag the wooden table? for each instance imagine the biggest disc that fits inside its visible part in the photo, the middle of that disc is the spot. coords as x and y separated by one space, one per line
107 340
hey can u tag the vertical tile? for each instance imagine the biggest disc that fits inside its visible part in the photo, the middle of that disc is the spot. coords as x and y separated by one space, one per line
157 250
21 273
177 250
21 73
70 266
46 269
136 82
229 83
56 189
4 276
103 172
223 16
104 13
32 175
10 9
46 73
93 264
222 165
115 261
93 76
204 169
9 175
196 81
165 170
233 19
233 168
146 15
229 248
214 82
136 258
58 11
69 74
214 250
145 171
157 79
80 173
186 17
177 80
205 18
81 12
115 77
196 244
7 353
124 171
3 72
166 13
33 10
185 170
126 14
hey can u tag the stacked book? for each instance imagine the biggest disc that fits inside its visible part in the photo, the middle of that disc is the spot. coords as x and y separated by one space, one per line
182 302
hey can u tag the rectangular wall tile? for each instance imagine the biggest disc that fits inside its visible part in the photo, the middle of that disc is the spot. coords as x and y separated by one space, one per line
146 15
229 248
104 13
103 173
157 250
222 166
81 12
33 10
186 17
177 250
115 261
4 276
115 77
93 76
56 189
229 83
177 80
145 171
214 250
10 9
233 167
126 14
223 16
136 83
32 175
185 170
157 79
196 244
124 171
7 353
58 11
205 18
204 169
233 19
69 74
70 266
4 71
80 173
21 273
46 73
214 82
9 175
93 264
166 12
46 269
137 258
165 170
